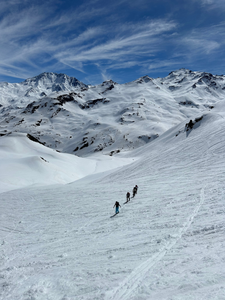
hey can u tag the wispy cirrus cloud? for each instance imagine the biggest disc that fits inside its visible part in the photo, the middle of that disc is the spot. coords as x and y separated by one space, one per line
91 45
212 4
142 39
166 64
57 35
33 31
205 40
200 45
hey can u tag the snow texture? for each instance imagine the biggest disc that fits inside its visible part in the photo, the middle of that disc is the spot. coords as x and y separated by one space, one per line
58 242
108 118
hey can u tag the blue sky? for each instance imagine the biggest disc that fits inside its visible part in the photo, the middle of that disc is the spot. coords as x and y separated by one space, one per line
122 40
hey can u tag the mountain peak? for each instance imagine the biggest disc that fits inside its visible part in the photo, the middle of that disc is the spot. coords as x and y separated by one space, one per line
54 81
179 72
143 79
108 82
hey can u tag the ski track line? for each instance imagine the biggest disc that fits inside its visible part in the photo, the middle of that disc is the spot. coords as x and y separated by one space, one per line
132 281
11 230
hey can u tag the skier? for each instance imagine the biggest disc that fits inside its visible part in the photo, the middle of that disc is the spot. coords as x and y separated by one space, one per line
128 196
117 205
135 190
189 125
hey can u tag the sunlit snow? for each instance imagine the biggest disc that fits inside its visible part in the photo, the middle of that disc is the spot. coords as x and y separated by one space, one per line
58 241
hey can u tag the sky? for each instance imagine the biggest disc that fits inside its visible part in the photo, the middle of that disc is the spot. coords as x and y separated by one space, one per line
122 40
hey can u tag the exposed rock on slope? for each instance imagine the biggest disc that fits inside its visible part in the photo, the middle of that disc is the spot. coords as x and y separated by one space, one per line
65 114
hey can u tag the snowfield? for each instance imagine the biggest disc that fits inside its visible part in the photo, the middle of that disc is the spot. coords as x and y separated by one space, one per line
68 116
25 163
58 241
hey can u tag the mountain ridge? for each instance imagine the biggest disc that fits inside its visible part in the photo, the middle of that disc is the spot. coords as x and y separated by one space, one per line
69 116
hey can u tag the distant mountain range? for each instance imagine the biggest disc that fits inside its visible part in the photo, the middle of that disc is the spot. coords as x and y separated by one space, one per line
67 115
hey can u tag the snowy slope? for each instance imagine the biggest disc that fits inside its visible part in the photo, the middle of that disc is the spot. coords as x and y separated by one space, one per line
109 117
24 162
167 243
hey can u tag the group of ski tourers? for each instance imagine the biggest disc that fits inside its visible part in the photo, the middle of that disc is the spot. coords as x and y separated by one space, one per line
117 205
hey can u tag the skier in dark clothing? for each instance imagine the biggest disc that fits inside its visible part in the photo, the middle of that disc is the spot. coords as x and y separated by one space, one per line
128 196
117 205
135 190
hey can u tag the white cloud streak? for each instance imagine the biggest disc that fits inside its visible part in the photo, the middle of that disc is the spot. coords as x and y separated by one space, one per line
142 41
32 38
205 41
23 43
212 4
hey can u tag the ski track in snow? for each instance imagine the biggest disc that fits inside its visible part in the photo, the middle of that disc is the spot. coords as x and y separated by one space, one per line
131 282
59 243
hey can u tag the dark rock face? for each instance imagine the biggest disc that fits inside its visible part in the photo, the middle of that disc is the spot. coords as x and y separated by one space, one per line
32 138
91 103
191 123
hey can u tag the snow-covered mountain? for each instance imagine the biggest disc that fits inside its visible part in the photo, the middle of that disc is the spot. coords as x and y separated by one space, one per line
167 243
45 84
69 116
